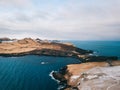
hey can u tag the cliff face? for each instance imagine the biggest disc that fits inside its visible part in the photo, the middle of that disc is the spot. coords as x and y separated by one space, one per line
30 46
90 76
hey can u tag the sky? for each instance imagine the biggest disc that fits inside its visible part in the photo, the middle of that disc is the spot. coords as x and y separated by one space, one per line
60 19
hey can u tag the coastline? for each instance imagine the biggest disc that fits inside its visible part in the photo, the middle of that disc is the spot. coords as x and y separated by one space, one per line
78 76
29 46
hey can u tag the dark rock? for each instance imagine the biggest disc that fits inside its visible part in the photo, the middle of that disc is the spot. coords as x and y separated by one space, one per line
59 77
5 39
75 88
82 51
63 70
99 58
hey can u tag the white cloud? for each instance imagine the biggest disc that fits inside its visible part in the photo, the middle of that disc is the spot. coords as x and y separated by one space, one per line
14 2
78 19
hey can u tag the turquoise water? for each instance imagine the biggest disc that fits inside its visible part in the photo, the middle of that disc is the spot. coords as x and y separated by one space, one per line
32 72
105 48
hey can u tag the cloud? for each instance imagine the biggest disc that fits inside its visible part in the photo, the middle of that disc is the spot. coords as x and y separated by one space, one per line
13 2
65 19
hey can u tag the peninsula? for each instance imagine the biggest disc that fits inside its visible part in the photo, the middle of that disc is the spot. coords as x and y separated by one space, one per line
90 76
29 46
84 76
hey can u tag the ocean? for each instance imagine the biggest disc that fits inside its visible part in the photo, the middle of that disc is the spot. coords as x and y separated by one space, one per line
33 72
104 48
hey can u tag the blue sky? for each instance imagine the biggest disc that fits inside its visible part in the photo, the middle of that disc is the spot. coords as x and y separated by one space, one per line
60 19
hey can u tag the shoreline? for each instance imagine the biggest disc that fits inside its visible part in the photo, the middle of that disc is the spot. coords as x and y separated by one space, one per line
28 46
72 74
68 74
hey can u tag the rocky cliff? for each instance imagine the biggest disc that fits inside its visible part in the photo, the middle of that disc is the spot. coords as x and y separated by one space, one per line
90 76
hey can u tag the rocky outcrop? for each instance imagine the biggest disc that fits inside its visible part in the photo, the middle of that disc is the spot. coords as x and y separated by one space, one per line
87 58
4 39
90 76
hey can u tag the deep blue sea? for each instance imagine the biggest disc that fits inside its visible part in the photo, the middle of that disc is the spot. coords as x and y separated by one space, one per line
32 72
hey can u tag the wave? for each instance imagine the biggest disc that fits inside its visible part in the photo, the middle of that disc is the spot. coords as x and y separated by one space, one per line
51 75
60 87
